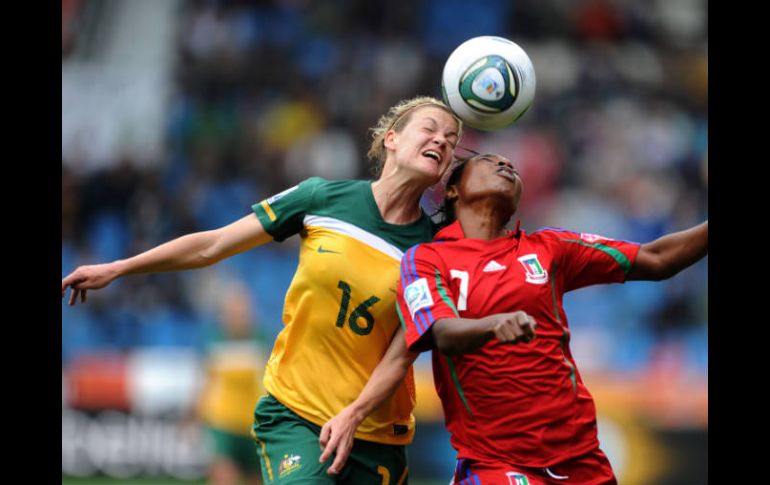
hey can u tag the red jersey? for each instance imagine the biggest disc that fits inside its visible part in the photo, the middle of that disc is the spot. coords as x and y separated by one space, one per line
518 403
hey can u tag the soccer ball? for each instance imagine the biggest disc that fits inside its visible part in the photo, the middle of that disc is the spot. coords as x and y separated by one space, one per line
488 82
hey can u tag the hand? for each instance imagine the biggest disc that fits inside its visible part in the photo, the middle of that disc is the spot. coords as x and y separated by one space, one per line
513 327
337 437
85 278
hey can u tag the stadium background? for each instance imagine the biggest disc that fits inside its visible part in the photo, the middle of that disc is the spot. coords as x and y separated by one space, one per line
177 115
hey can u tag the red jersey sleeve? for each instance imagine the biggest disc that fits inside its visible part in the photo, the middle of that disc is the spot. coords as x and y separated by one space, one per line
588 259
423 295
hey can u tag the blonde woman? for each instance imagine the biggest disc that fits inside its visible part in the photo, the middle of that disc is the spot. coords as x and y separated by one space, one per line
340 321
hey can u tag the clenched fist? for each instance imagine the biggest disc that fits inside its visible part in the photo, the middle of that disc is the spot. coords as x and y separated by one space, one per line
513 327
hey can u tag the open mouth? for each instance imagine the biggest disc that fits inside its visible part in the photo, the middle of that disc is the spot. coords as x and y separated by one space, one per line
432 154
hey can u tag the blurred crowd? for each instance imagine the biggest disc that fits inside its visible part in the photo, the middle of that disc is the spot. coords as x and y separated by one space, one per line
267 93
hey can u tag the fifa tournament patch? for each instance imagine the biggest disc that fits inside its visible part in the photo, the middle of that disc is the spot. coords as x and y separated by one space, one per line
266 203
592 238
280 195
289 464
417 296
535 272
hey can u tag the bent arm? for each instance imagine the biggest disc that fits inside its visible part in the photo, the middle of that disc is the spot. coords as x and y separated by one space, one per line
192 251
454 336
338 433
670 254
387 376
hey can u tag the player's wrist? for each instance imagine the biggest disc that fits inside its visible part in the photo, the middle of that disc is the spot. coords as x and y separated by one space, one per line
120 268
357 413
488 325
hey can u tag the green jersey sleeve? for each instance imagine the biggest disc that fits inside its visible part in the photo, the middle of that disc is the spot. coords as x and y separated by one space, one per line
282 214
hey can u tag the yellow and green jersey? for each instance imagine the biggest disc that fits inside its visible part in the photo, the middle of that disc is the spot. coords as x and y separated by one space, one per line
339 314
233 385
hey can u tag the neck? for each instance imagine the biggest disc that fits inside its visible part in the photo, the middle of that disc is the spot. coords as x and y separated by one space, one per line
398 199
483 219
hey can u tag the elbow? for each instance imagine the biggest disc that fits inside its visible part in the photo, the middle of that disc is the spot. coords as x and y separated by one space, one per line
659 274
206 258
664 270
211 251
651 275
665 274
651 269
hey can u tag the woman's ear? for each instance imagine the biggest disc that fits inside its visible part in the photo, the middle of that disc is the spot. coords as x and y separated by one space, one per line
451 192
389 140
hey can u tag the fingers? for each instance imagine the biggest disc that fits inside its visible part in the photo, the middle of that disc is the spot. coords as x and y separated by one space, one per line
328 448
528 328
323 438
339 461
70 281
75 294
333 443
65 283
516 327
509 331
505 333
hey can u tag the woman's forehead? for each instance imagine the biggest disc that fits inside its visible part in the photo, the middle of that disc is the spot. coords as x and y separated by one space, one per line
433 113
494 157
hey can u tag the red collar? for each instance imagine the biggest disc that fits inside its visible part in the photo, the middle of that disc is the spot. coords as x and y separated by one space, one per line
454 231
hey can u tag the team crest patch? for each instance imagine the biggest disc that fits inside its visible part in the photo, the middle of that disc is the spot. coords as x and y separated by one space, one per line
535 272
278 196
592 238
517 479
417 296
289 464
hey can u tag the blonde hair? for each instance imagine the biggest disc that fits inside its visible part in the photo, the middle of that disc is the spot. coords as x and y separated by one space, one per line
396 118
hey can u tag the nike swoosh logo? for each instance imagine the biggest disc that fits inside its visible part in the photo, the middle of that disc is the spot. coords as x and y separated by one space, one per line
322 250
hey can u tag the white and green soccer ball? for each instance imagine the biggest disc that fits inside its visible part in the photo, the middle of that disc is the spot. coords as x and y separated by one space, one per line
489 82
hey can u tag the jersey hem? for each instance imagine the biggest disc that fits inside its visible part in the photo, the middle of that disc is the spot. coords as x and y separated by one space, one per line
375 438
516 461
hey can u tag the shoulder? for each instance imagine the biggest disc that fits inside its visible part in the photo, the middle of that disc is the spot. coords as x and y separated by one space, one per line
570 236
322 183
430 252
314 183
553 235
303 189
554 232
321 189
335 189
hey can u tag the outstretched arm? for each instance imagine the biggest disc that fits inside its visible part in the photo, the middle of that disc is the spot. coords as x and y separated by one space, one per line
187 252
670 254
462 335
338 433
